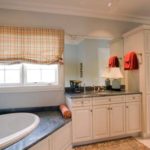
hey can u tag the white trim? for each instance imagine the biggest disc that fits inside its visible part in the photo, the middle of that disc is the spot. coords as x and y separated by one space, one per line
58 9
36 87
31 88
135 30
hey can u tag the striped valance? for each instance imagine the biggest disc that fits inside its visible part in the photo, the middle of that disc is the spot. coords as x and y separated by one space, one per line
35 45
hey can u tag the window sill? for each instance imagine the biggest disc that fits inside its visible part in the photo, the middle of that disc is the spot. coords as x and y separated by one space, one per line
30 88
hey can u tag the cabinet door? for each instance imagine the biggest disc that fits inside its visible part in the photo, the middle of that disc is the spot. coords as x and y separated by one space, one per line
100 121
61 139
147 69
117 119
147 41
42 145
133 117
82 124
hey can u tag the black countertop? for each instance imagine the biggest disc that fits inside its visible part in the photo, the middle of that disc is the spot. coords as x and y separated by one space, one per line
50 121
100 94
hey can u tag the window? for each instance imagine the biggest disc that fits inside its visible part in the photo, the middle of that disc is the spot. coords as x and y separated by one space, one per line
28 74
41 74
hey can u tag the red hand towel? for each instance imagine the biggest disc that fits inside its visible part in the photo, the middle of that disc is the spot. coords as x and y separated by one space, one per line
65 111
131 61
113 61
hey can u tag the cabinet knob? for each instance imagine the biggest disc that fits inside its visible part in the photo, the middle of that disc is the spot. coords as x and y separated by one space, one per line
127 106
82 102
133 97
91 110
108 108
110 99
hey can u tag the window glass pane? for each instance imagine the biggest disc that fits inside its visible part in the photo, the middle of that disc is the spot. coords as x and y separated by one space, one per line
33 76
14 67
1 66
1 76
49 76
32 66
45 67
12 76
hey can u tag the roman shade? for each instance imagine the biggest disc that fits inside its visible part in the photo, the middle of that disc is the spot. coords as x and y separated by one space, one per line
34 45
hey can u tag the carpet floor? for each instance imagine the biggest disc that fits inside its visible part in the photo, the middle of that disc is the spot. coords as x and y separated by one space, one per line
121 144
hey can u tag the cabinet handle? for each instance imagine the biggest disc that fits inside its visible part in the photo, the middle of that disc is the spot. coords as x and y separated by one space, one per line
111 108
110 99
108 108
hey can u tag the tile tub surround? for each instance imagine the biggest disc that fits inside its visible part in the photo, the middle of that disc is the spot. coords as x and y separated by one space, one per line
100 94
50 121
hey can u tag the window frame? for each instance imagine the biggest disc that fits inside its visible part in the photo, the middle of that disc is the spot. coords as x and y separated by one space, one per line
37 87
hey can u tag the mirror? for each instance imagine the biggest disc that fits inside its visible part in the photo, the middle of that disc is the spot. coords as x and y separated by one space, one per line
86 59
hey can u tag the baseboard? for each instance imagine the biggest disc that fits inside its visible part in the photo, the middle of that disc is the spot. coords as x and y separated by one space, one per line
106 139
145 135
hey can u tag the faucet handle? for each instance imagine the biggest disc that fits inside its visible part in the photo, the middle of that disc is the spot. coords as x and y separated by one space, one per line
94 88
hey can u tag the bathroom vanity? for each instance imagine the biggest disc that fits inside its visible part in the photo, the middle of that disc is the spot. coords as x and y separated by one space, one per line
101 116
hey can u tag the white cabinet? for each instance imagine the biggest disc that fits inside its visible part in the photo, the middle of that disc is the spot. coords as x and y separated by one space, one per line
82 124
100 121
42 145
105 117
59 140
133 117
133 113
117 119
147 71
62 138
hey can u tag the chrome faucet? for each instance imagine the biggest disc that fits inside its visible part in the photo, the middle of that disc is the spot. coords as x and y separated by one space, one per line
84 88
94 88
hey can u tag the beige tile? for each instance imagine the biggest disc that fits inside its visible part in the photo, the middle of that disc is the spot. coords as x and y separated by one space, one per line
121 144
146 142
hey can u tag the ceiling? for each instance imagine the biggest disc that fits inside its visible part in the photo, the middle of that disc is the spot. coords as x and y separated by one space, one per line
125 10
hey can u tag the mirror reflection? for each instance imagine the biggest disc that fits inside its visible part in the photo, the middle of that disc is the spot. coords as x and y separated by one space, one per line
86 60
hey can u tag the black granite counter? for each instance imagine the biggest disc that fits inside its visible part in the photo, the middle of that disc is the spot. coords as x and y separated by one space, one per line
50 121
100 94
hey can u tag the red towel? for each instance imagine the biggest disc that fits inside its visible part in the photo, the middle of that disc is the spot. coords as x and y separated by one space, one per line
131 61
113 61
65 111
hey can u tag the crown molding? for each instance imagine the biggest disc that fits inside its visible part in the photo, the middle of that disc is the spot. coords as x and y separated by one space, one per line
58 9
137 29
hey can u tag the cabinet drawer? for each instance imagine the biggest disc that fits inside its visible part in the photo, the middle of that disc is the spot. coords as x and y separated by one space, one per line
117 99
81 102
101 100
134 97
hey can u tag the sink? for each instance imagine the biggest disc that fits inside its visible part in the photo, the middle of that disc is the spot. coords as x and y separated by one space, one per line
15 126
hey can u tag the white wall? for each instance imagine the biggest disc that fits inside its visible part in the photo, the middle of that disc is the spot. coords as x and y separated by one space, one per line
31 99
117 49
71 63
72 25
94 56
94 60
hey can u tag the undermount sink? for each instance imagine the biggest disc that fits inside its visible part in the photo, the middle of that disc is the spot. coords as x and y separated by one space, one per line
15 126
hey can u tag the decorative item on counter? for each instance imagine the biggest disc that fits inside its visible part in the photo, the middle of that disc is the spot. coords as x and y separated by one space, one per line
81 70
115 74
113 62
75 86
105 74
65 111
131 61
